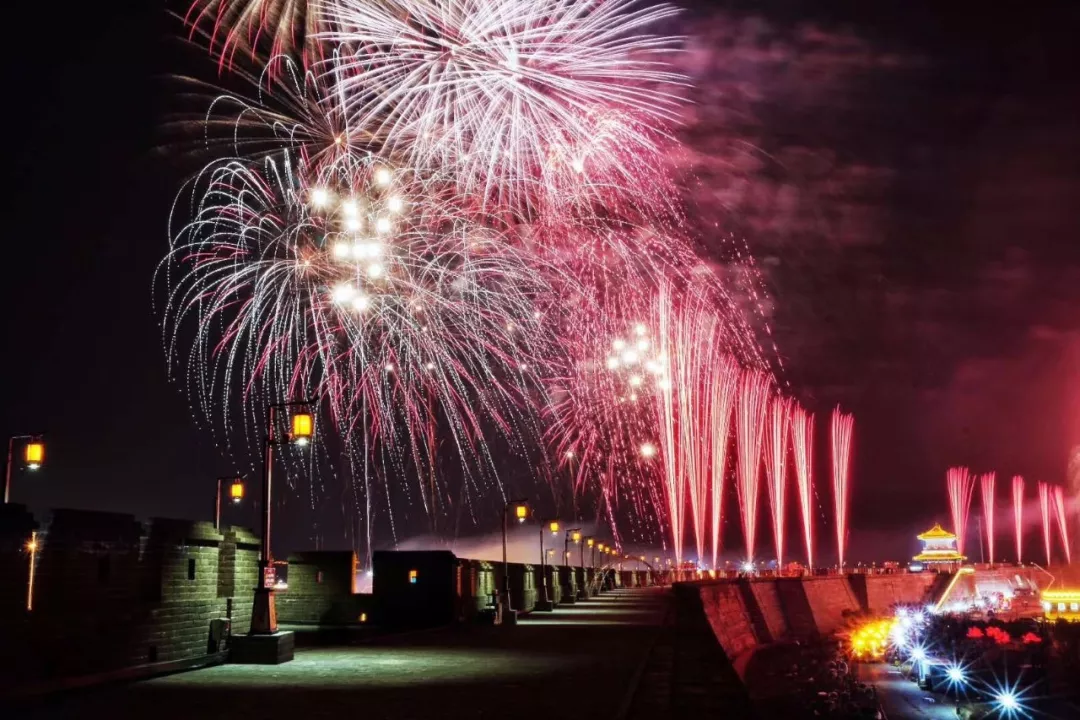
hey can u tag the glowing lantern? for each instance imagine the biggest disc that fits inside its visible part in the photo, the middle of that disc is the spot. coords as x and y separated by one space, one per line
521 511
576 536
236 491
34 454
589 542
303 427
554 527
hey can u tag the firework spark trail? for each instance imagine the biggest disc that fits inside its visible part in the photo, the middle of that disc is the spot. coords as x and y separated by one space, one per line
776 454
279 26
1018 515
546 98
843 427
802 442
961 486
986 482
1044 510
725 392
1063 521
754 390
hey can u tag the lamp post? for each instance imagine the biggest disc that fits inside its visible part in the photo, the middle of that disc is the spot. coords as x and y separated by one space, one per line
575 535
520 508
236 494
545 602
33 458
301 432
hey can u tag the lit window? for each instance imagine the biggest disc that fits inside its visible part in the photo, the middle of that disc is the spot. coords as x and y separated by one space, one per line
412 577
1061 607
1074 607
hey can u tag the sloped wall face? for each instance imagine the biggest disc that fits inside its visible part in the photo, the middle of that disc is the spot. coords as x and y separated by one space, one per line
831 601
885 592
111 593
768 601
728 617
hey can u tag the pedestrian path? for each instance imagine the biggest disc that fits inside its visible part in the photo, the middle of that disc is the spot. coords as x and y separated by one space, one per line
580 661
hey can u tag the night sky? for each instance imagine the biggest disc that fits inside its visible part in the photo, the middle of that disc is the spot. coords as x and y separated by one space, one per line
907 176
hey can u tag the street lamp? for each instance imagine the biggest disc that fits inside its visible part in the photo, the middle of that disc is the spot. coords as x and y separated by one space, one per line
33 458
301 432
545 602
236 494
520 510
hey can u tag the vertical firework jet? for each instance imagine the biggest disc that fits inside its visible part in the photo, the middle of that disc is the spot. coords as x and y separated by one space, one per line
725 390
1062 520
802 443
1044 510
986 482
843 427
750 422
1018 515
776 452
961 486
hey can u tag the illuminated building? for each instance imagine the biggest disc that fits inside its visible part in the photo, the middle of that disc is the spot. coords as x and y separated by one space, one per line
939 548
1061 604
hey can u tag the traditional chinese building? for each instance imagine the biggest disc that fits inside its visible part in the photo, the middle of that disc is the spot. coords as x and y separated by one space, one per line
1061 604
939 547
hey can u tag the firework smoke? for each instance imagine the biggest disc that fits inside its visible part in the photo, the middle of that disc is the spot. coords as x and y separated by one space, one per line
802 442
843 427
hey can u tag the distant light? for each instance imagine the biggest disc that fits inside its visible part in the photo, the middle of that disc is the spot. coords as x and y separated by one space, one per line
619 344
366 250
648 450
389 367
375 270
523 367
1007 701
635 381
361 302
382 176
349 207
748 566
569 454
383 225
34 454
630 357
920 617
612 363
639 329
955 674
344 293
578 165
395 204
413 576
320 197
352 224
342 250
918 654
430 366
902 612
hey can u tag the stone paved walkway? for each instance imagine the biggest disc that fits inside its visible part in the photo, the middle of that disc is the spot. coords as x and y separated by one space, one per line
577 662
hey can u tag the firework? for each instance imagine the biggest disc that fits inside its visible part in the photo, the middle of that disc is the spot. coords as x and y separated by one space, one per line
276 26
344 285
725 391
986 482
961 485
1018 515
754 390
1044 511
1062 521
776 452
802 442
522 100
843 427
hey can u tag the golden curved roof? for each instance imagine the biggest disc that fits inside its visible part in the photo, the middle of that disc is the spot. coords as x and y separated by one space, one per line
937 533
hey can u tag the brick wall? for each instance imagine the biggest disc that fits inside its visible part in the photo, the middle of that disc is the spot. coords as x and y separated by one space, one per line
320 590
111 593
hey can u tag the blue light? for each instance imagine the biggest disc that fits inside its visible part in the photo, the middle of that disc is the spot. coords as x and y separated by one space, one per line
956 675
1007 701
